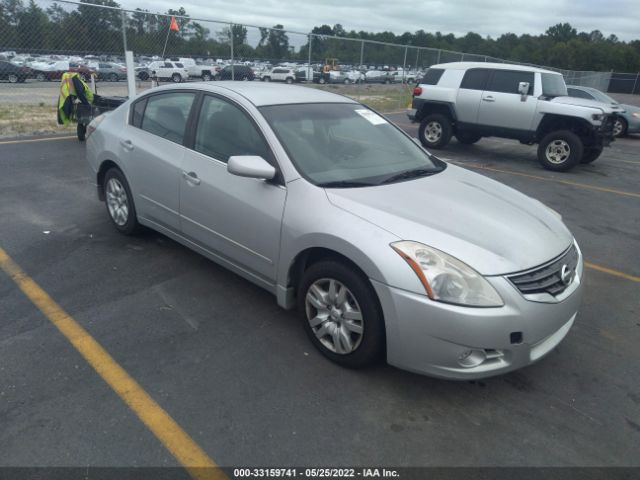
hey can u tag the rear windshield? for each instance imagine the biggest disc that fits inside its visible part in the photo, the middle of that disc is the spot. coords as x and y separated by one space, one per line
432 76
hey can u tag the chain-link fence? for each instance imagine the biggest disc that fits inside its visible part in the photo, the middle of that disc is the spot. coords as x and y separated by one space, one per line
40 41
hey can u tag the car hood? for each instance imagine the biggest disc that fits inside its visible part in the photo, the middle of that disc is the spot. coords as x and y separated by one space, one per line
489 226
630 108
583 102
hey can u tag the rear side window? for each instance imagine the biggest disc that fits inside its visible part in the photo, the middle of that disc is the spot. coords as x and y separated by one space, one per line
180 65
432 76
475 79
506 81
166 115
168 65
574 92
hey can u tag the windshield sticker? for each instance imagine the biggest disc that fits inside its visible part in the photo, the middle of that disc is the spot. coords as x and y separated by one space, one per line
373 117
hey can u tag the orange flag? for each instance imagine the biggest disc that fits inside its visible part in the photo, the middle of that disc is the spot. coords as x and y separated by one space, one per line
174 25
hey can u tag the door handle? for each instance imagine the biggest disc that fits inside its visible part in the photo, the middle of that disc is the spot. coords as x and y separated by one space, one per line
488 99
127 144
191 177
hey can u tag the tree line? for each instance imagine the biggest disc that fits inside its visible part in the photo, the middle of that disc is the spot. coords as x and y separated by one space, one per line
27 27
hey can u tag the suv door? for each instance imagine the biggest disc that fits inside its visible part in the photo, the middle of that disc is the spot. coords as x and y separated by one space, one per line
234 217
469 95
152 150
502 105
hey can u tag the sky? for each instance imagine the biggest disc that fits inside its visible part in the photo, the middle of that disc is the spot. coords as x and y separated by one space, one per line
485 17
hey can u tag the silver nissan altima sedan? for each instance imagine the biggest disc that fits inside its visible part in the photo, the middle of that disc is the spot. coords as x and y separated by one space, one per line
386 251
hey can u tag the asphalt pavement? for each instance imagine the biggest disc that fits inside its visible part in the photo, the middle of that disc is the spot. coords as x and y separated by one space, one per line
239 375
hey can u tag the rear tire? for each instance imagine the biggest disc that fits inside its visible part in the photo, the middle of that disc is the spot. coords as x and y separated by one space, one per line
345 324
176 78
81 131
467 138
113 77
435 131
13 78
266 79
119 202
560 151
591 154
289 80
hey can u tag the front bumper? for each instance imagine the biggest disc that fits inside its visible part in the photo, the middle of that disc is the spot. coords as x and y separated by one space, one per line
432 338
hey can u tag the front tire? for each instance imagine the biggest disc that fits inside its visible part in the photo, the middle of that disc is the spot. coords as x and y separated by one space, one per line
13 78
81 131
289 80
341 314
435 131
620 127
176 78
591 154
467 138
119 202
206 77
560 151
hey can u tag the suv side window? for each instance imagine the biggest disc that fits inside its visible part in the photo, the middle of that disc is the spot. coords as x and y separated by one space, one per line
574 92
166 115
432 76
506 81
168 65
475 79
224 130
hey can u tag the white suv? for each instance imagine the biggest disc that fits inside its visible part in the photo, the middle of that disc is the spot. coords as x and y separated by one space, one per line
475 100
280 74
174 71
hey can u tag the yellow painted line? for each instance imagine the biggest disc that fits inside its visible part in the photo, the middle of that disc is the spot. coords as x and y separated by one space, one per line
546 179
33 140
611 271
176 440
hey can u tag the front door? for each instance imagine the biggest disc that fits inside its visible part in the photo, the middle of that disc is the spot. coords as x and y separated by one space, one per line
235 217
502 105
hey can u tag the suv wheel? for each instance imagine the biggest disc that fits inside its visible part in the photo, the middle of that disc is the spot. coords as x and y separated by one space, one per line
620 127
467 138
435 131
591 154
341 314
266 79
176 78
206 77
560 151
289 80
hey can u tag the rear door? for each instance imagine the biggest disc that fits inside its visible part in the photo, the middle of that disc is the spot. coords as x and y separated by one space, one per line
234 217
152 146
502 105
469 97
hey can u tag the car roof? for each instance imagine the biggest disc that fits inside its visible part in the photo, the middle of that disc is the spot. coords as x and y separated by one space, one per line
262 94
495 66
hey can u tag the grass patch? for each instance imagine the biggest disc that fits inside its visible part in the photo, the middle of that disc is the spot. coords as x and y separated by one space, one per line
26 119
383 98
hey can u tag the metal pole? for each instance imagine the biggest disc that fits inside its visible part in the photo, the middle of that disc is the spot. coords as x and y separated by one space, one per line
439 52
417 57
404 64
124 29
233 76
633 90
309 69
361 53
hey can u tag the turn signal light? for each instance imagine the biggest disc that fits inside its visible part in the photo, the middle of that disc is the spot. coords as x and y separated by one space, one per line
417 91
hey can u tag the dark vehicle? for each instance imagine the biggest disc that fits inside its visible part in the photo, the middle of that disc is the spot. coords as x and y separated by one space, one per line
86 113
241 72
14 73
377 76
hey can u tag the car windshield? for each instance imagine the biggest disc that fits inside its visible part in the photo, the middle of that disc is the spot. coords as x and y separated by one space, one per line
553 85
347 145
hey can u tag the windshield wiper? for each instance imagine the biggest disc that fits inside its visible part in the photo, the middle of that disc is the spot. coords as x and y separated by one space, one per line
415 173
345 184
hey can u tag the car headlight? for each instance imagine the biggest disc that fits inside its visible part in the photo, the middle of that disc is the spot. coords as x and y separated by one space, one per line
597 117
636 114
447 279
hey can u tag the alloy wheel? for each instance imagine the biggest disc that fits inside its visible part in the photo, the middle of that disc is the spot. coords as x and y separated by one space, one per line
558 151
334 316
433 132
117 202
618 128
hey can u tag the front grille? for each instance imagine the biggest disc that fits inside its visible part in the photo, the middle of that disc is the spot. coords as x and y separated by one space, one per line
548 277
607 124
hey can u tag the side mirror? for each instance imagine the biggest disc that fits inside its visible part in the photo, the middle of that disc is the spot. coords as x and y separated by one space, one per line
250 166
523 89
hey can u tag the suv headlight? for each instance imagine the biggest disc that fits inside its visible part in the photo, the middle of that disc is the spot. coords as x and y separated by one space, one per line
597 117
447 279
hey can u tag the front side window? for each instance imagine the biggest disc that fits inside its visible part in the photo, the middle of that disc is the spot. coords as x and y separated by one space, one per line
346 145
507 81
224 130
166 115
553 85
574 92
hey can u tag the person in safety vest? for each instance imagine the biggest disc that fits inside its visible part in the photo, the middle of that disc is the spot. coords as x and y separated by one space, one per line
72 90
